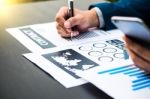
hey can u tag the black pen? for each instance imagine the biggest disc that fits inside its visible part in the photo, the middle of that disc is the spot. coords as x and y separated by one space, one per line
71 12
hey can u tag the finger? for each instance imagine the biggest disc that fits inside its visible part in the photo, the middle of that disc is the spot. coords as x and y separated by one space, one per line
61 15
66 32
73 21
137 48
72 33
139 62
69 30
62 31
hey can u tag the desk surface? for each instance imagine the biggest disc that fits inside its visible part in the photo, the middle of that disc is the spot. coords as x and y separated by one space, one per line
19 78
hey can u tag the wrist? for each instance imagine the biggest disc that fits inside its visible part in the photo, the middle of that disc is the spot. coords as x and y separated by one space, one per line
93 18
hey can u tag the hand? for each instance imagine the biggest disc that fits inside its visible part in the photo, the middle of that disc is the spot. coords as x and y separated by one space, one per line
82 20
139 54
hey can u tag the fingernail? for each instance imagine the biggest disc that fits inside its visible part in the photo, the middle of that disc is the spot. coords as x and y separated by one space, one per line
75 33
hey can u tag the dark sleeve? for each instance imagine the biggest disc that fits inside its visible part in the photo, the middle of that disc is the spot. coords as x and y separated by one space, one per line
135 8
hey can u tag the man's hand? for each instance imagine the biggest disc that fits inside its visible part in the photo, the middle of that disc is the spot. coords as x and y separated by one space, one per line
139 54
82 20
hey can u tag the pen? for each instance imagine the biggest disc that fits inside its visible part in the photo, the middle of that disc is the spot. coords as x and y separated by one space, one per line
71 12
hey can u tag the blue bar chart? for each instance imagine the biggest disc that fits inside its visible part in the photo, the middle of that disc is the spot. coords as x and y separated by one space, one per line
142 80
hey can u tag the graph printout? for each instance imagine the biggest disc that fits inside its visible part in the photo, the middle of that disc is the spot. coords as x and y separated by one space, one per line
68 61
120 82
38 37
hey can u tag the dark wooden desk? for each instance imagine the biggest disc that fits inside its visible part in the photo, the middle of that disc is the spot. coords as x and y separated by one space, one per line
19 78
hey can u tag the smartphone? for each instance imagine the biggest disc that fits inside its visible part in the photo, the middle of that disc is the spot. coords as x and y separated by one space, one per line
133 27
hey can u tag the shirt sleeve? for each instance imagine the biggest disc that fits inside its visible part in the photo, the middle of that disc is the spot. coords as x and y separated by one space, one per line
100 16
132 8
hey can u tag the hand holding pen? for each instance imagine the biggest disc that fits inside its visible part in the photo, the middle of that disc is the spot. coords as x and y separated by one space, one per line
82 20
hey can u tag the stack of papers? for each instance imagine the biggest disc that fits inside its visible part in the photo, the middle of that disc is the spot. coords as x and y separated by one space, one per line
96 56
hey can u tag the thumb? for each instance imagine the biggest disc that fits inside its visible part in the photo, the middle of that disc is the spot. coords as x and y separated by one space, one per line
71 22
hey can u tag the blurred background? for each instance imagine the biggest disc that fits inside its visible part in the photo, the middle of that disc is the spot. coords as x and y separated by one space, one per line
8 2
5 3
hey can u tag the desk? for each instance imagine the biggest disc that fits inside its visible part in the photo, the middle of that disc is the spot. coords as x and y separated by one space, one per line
19 78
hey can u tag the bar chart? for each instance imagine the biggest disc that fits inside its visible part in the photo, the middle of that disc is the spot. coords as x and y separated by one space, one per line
142 78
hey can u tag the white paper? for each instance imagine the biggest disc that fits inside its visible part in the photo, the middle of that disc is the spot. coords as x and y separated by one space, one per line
121 81
63 63
44 36
85 56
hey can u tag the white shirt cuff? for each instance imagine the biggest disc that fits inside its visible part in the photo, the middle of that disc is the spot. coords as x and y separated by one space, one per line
100 16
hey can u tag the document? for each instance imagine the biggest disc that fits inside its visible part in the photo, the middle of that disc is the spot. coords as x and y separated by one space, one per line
64 63
121 81
37 37
97 56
